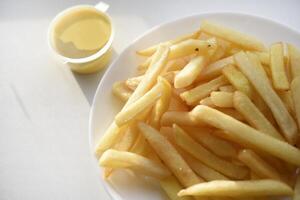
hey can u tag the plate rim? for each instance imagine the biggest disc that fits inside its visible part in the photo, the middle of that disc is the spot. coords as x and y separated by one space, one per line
115 60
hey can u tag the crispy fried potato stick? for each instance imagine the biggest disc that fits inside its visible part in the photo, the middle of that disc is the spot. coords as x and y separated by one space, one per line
198 151
207 102
227 88
169 155
209 174
122 159
133 82
277 66
233 36
162 104
246 135
131 112
215 144
222 99
203 90
120 90
258 165
297 189
151 50
254 188
191 46
159 60
215 69
238 80
294 57
295 88
253 116
248 64
190 72
181 118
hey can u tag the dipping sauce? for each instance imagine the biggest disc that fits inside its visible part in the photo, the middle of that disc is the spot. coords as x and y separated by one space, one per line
81 33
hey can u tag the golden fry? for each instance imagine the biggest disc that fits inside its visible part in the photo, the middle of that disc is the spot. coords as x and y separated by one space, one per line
121 91
133 82
215 144
198 151
215 69
196 94
295 88
294 57
162 104
238 80
190 72
111 134
169 156
256 75
252 188
253 116
122 159
191 46
246 135
258 165
131 112
277 66
151 50
222 99
233 36
227 88
181 118
207 102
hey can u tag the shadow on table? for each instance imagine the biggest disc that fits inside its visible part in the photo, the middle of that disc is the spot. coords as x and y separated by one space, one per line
89 82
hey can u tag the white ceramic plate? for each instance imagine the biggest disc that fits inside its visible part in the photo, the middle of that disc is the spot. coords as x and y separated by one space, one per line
126 186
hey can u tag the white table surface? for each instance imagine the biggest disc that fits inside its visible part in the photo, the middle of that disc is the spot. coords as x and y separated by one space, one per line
44 108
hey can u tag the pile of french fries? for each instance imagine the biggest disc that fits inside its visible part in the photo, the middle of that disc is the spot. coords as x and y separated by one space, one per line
210 115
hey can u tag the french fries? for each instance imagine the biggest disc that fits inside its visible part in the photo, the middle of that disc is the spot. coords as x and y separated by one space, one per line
190 72
131 112
227 88
181 118
159 60
294 57
258 165
196 94
259 80
253 116
254 188
297 189
216 145
287 99
162 104
202 170
151 50
247 136
191 46
122 159
227 112
279 76
169 156
295 88
264 57
238 80
133 82
233 36
126 142
207 102
121 91
215 69
198 151
222 99
171 186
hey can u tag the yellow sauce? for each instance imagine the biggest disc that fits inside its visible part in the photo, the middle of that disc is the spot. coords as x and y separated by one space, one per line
81 33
